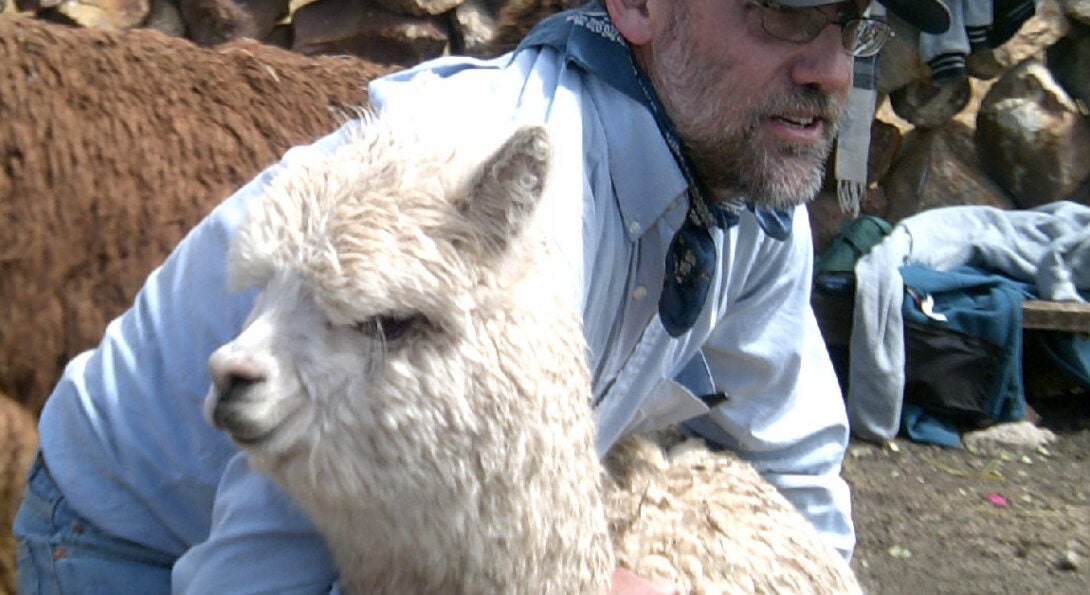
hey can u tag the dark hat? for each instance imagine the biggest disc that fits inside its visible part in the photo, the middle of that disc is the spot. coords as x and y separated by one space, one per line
929 16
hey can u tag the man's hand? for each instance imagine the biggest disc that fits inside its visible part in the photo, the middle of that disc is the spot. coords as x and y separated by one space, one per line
626 582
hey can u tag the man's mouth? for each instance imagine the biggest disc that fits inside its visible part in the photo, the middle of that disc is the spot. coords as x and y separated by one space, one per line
798 129
798 121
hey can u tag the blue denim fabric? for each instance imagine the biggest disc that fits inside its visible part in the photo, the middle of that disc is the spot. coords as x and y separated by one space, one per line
61 552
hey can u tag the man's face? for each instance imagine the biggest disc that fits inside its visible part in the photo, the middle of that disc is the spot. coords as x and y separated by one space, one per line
758 115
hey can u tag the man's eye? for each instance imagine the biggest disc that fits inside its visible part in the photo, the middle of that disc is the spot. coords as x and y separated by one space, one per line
845 12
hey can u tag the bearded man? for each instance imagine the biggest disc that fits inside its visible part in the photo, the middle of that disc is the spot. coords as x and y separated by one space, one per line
688 135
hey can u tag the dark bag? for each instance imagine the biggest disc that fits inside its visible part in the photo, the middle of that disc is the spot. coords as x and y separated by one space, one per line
950 373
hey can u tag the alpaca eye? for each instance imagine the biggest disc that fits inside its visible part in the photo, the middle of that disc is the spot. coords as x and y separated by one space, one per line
388 328
393 327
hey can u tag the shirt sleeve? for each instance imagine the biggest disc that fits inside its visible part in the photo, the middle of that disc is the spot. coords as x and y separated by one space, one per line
260 542
784 411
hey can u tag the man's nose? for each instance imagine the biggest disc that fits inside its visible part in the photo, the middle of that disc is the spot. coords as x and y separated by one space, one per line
823 63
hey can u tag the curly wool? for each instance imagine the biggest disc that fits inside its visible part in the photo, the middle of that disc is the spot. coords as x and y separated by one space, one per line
707 522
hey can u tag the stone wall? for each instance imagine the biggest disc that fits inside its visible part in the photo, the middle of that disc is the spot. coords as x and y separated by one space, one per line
401 32
1013 133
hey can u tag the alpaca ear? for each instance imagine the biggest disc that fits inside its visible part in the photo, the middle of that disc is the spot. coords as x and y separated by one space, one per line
505 190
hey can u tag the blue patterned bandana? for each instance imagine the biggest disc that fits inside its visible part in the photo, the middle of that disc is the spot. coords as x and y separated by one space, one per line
587 37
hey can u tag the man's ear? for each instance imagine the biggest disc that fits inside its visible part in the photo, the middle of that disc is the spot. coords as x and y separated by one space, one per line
632 19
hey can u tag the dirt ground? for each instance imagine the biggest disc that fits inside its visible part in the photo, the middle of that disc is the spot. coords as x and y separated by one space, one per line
938 520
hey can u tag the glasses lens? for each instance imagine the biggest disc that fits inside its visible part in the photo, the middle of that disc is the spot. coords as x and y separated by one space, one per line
799 25
864 38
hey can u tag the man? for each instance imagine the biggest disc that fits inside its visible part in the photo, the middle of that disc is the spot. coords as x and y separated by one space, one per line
688 135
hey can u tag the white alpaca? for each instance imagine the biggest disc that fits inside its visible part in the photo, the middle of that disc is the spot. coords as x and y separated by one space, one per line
413 374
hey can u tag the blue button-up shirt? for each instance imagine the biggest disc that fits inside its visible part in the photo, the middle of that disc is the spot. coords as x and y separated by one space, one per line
123 433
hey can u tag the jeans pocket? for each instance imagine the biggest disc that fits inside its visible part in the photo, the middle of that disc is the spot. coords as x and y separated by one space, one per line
59 551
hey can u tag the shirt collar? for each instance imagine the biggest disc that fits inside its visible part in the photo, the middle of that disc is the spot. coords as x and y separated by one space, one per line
587 38
646 180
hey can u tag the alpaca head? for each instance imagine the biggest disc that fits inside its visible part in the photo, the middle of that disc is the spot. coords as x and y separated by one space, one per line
377 265
413 371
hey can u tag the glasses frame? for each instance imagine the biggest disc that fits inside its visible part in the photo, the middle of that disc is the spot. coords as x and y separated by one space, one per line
860 36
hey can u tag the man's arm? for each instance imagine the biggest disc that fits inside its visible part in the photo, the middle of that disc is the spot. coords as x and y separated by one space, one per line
784 411
260 542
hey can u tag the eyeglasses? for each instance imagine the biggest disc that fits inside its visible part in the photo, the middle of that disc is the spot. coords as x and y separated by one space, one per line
862 37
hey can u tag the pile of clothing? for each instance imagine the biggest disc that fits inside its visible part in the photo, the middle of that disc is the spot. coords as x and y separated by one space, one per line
936 340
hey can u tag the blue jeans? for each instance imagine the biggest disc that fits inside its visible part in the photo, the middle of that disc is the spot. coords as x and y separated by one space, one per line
61 552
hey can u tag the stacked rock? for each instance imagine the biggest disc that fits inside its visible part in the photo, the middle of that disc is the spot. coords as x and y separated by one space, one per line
401 32
992 113
1006 126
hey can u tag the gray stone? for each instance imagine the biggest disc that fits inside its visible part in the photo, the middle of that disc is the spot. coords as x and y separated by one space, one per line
166 17
1069 561
474 27
280 36
885 143
212 22
35 5
1069 61
900 61
927 104
1077 10
1032 138
938 167
376 34
1019 437
1039 32
416 7
982 64
105 14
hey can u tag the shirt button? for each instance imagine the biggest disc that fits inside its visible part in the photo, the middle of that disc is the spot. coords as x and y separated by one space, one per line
639 293
634 228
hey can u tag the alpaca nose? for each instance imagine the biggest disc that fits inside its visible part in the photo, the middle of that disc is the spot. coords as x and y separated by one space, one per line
233 374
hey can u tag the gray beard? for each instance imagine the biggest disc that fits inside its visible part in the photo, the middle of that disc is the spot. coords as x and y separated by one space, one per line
726 155
737 169
732 163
